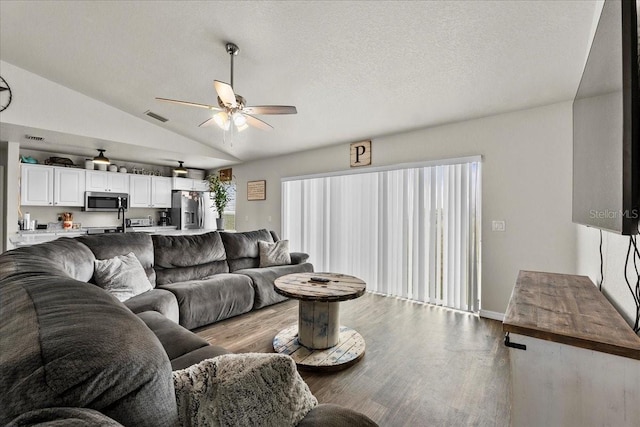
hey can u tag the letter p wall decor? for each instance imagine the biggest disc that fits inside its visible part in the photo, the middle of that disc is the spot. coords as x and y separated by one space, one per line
360 154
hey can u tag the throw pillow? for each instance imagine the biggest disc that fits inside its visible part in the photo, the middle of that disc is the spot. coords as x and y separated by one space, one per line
122 276
274 253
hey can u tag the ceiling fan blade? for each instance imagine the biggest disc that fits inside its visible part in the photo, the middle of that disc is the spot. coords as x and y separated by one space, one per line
257 123
191 104
207 122
270 109
225 92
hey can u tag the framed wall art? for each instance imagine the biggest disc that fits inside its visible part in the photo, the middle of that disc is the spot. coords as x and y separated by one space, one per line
257 190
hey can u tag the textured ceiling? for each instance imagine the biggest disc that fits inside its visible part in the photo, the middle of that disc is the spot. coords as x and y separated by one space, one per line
355 70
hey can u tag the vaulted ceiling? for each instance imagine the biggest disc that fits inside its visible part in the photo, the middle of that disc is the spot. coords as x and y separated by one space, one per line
354 69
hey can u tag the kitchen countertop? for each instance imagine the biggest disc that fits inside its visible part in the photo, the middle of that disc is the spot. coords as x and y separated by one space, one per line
32 237
85 230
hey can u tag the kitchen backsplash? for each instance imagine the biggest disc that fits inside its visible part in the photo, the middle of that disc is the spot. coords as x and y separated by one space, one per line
46 214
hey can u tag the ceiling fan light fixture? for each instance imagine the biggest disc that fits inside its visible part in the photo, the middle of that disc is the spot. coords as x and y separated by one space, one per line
222 120
100 159
180 170
232 107
239 120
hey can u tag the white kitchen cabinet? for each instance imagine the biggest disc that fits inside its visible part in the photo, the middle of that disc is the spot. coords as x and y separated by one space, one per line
43 185
200 185
139 191
107 182
36 186
149 191
68 187
189 184
160 192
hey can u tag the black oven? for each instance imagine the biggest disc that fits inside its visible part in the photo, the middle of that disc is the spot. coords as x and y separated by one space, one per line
105 202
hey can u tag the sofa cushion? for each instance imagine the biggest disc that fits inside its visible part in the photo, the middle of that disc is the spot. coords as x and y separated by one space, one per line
274 253
175 339
105 246
212 299
242 248
197 356
65 257
69 344
183 347
298 257
121 276
262 281
160 300
182 258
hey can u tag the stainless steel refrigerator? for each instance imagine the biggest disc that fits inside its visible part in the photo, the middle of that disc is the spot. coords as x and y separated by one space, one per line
191 209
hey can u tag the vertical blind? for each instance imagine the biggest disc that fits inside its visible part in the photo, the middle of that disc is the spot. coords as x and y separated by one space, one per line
409 232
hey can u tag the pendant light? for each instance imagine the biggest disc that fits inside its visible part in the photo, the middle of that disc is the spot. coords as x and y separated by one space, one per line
100 159
180 170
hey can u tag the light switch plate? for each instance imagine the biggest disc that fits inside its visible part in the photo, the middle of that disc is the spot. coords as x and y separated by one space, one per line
498 226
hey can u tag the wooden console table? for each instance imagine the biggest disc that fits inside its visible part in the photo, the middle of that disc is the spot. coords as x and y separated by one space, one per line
574 359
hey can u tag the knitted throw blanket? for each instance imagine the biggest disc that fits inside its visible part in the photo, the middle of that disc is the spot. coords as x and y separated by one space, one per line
252 389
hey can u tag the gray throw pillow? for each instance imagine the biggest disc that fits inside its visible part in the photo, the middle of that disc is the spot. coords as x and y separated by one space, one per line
122 276
274 253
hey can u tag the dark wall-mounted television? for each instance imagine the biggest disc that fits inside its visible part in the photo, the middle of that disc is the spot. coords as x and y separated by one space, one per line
606 125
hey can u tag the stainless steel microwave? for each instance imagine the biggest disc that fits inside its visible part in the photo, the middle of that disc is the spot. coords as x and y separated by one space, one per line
105 202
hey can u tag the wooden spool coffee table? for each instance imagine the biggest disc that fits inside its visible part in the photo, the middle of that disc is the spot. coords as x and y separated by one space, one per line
318 342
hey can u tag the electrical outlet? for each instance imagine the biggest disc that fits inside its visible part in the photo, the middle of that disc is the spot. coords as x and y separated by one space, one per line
269 219
246 217
498 226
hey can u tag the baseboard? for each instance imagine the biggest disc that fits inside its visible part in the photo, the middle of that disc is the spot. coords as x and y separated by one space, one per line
492 315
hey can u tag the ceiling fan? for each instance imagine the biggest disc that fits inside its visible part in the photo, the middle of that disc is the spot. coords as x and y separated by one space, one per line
232 107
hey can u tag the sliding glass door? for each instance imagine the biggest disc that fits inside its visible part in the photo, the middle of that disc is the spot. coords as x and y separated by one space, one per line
411 232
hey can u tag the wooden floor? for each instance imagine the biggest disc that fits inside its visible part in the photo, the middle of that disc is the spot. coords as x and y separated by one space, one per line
423 366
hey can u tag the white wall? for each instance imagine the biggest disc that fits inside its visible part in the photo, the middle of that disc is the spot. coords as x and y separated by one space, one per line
527 159
43 104
614 250
9 154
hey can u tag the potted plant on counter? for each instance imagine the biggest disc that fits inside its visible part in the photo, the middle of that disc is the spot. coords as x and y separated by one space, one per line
220 195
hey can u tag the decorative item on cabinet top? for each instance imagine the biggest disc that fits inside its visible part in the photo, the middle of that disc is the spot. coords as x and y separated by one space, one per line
142 171
89 164
60 161
28 159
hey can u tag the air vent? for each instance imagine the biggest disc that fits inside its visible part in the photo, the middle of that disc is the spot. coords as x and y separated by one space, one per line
34 138
156 116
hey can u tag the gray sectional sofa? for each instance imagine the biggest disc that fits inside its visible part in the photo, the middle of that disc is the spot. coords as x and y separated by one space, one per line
200 279
73 354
